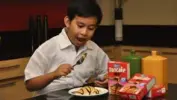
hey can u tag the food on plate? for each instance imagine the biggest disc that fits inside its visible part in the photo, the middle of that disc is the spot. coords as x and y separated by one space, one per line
87 90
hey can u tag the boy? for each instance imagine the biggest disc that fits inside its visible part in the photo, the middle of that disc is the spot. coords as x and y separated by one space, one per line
51 66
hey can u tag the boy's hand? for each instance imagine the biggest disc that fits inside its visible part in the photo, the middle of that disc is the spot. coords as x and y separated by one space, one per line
63 70
103 83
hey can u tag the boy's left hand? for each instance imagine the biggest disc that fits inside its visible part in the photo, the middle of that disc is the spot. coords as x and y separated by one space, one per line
103 83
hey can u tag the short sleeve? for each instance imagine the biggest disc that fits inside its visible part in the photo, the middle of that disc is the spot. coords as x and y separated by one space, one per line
36 65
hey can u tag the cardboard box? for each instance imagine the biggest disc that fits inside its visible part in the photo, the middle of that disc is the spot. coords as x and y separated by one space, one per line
156 91
118 74
137 87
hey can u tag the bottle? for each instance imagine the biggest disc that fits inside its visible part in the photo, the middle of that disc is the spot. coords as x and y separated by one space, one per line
156 65
135 62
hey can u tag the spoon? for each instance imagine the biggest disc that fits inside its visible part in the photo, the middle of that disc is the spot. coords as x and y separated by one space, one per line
81 60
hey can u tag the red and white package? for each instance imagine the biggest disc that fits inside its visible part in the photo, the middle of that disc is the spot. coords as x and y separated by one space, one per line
156 91
118 74
137 87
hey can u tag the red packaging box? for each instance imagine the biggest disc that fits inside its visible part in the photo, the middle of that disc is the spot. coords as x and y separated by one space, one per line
156 91
118 74
137 87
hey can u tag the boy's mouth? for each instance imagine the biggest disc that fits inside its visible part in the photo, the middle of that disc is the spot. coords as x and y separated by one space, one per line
81 39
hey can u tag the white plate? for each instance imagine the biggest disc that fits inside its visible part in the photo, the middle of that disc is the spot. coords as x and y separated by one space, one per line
101 90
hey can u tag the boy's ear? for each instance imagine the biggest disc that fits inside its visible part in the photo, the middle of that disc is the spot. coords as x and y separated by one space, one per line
66 21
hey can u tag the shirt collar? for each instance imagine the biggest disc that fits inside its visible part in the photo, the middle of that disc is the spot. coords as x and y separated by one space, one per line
64 41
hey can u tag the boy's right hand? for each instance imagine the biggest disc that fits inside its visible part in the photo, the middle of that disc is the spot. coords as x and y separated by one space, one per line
63 70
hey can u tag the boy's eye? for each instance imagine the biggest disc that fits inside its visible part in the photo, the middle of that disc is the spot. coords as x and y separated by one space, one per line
80 26
88 27
91 28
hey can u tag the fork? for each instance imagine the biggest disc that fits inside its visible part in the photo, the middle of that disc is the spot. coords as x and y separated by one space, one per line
81 60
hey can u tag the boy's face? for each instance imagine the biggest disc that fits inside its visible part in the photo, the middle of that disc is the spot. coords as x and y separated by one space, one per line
80 29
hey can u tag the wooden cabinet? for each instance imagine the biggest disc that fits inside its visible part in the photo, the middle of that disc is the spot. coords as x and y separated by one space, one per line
12 68
171 54
142 51
112 51
13 89
12 79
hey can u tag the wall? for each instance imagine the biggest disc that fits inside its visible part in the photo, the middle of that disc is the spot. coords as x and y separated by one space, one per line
107 7
15 14
15 37
146 22
150 12
141 12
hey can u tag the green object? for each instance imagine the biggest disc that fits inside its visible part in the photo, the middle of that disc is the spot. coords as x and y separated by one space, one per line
135 62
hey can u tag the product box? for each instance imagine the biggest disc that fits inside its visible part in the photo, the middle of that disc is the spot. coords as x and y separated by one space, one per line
118 74
137 87
157 91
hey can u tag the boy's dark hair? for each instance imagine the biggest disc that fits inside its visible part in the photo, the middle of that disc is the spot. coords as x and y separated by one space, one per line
84 8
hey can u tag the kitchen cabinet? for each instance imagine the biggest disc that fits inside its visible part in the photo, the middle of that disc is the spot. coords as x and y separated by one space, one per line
12 68
13 89
12 79
141 51
171 54
112 51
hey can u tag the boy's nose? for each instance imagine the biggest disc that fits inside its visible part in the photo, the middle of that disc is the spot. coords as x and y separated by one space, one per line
84 31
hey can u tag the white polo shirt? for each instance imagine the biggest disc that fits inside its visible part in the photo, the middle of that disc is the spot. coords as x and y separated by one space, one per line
59 50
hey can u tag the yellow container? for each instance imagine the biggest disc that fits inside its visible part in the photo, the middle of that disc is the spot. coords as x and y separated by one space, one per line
157 66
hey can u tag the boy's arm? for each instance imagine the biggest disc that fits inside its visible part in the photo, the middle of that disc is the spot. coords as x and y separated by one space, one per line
102 70
42 81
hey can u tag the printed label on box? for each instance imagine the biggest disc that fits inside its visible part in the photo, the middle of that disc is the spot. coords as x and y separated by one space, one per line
118 74
137 87
156 91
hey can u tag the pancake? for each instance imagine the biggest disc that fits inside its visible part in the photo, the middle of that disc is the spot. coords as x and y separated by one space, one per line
87 90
